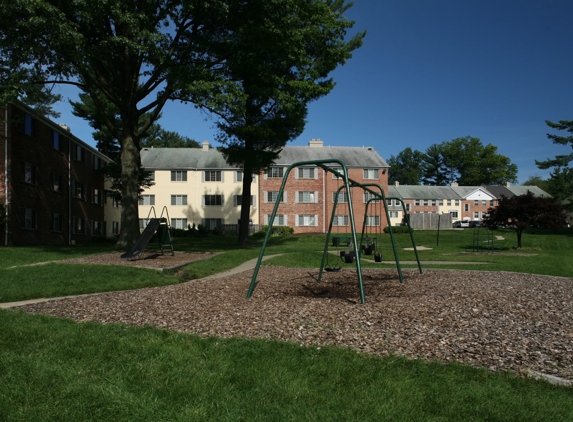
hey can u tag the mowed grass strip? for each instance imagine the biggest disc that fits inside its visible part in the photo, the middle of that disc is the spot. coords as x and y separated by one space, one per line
56 369
53 280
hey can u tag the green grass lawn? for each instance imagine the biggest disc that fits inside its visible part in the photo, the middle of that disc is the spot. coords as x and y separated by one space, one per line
56 369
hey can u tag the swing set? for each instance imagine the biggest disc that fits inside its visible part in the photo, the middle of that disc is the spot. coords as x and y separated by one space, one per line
368 245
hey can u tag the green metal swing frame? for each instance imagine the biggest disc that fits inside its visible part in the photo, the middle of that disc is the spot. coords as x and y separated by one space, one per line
348 184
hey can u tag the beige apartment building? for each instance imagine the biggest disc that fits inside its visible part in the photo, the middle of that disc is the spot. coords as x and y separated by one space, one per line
194 186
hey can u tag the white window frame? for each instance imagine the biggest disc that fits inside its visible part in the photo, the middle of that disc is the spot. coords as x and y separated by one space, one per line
372 221
178 199
213 198
147 200
340 221
212 176
307 197
306 220
371 174
178 175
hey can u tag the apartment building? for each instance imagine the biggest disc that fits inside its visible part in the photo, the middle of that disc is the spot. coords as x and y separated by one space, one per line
197 186
310 191
50 183
194 186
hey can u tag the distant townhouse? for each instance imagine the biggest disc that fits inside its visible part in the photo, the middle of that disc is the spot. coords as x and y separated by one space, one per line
194 186
50 183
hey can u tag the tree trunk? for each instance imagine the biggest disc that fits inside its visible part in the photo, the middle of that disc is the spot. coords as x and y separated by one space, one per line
245 206
130 163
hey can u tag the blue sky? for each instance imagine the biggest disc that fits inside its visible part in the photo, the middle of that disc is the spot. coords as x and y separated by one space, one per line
433 71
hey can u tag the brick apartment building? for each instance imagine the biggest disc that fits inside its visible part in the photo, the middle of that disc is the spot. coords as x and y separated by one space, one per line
50 183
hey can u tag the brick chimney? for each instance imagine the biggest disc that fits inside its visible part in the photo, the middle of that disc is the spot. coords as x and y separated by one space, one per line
315 143
206 145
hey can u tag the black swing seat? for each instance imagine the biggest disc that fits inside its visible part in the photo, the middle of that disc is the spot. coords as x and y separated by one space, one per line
332 269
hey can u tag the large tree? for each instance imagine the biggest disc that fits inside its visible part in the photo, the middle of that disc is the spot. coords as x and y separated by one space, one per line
435 172
284 52
407 167
524 211
561 179
136 54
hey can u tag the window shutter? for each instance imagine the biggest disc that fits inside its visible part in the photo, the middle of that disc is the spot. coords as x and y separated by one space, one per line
297 172
296 197
235 200
316 197
285 220
222 176
284 196
296 220
265 197
265 174
316 173
253 200
316 219
266 220
222 200
234 177
203 200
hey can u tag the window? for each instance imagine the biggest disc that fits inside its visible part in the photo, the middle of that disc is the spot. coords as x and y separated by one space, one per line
476 215
180 199
79 225
425 202
368 196
115 227
213 176
275 172
340 220
28 218
476 203
307 220
210 200
417 202
457 202
280 219
143 222
466 207
78 189
449 202
96 196
96 162
147 200
371 174
339 170
238 176
272 196
306 172
29 171
29 126
179 223
237 200
97 228
484 202
492 203
342 197
56 182
213 223
454 215
56 140
56 222
394 214
115 202
179 176
408 207
372 220
78 153
307 197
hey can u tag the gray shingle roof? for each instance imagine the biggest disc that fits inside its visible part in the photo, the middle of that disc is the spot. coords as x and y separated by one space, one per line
426 192
351 156
182 158
193 158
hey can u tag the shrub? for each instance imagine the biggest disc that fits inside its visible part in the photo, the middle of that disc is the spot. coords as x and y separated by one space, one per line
396 229
277 231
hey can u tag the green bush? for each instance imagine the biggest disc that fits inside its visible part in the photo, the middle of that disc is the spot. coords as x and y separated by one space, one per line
396 229
277 231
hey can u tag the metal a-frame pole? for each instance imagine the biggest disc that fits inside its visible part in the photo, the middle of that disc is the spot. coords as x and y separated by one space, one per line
321 164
